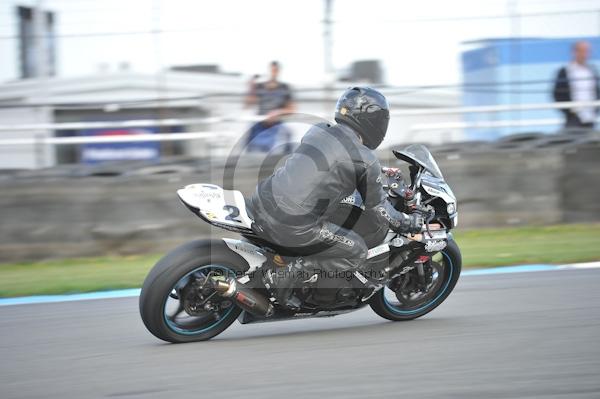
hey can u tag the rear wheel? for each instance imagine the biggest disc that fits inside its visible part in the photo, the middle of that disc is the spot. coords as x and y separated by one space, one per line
176 303
406 298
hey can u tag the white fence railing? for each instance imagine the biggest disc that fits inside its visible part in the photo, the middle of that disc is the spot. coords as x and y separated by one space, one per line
207 135
118 139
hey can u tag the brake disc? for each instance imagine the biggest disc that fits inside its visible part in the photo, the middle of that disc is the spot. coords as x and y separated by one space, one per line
409 284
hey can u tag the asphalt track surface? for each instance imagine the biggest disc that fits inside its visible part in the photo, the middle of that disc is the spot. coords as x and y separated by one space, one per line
522 335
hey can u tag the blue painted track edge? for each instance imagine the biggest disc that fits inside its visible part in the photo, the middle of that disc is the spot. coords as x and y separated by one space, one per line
134 292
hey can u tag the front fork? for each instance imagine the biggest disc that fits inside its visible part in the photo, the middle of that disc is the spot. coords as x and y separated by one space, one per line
421 274
419 258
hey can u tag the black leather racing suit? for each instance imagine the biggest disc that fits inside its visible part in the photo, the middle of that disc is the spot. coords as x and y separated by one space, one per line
292 206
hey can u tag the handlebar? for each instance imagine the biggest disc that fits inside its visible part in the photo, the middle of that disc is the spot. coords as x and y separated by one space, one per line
427 211
390 171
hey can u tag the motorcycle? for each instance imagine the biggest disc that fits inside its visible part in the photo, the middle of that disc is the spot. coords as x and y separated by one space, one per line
199 289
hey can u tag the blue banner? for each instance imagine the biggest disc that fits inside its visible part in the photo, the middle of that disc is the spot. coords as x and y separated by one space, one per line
93 153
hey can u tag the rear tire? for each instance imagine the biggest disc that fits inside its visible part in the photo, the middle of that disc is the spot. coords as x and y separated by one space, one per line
453 260
174 266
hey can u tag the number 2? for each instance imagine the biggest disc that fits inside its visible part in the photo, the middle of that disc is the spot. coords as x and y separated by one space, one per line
234 212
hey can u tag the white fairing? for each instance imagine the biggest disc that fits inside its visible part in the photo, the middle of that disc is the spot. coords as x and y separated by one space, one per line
437 193
250 252
225 207
448 197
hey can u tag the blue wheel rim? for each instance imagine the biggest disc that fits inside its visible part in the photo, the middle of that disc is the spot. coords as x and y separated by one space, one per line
173 327
391 307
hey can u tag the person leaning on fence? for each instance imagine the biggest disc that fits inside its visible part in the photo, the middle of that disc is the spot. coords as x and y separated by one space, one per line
578 81
273 99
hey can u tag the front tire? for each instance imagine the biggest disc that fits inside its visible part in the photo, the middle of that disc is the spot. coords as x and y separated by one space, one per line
196 258
386 308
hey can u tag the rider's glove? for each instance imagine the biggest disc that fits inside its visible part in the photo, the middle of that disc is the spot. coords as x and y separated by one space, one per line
401 222
414 223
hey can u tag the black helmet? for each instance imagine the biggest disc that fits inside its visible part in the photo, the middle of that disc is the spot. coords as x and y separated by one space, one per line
366 111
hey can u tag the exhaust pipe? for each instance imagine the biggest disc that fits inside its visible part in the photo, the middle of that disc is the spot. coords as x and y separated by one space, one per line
245 297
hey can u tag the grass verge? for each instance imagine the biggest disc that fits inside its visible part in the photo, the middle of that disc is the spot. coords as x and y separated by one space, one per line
480 248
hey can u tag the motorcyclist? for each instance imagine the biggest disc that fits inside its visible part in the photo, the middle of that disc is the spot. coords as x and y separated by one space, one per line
291 207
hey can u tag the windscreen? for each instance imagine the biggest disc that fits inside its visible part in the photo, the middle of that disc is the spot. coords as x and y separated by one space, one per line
420 154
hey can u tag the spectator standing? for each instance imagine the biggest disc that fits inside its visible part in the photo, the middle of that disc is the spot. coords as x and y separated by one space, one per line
273 99
578 81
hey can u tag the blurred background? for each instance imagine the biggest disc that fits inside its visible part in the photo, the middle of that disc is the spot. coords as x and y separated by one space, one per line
106 108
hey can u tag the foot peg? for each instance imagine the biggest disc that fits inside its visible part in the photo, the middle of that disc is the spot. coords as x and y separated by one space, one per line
245 297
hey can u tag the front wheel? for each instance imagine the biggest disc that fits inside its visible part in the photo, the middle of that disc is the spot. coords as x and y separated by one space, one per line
176 303
404 298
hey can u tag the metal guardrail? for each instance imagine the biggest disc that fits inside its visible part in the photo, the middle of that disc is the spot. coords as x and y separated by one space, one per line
118 139
496 109
254 118
484 124
499 108
124 124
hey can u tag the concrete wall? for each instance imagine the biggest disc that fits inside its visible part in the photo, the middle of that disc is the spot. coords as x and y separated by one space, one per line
66 212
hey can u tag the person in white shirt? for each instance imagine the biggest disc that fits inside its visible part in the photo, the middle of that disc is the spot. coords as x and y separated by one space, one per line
578 81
